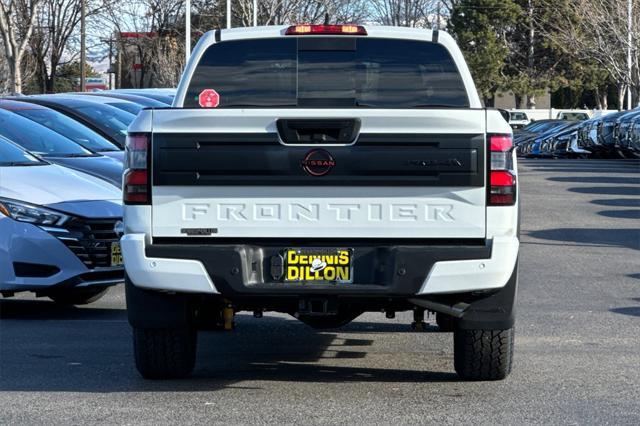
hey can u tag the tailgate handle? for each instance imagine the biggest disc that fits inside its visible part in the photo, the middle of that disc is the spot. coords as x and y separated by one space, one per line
318 132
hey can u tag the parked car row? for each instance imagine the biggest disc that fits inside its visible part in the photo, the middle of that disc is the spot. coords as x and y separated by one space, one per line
615 135
518 119
61 163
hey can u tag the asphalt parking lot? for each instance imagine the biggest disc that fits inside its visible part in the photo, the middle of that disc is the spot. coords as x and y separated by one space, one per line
577 344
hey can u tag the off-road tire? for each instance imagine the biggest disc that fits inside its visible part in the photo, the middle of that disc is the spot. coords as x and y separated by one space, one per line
483 354
165 353
78 296
446 323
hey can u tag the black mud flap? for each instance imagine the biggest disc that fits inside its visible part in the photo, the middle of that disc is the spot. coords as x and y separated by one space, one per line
494 312
153 309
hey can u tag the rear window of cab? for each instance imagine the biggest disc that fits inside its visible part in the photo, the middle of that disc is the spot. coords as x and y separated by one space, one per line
338 72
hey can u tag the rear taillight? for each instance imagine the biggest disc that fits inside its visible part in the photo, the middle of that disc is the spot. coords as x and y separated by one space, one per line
307 29
502 179
136 181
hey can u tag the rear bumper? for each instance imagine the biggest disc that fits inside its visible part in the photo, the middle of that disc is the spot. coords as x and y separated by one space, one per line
380 270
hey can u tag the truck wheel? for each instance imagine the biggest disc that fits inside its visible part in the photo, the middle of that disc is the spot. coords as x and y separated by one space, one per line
483 354
446 323
78 296
165 353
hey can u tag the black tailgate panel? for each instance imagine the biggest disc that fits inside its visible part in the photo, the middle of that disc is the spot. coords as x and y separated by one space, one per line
250 159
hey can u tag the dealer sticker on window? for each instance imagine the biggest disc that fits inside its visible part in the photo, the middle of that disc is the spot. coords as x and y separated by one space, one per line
318 265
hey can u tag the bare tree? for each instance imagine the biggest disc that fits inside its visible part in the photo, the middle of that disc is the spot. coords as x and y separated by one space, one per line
155 28
50 42
276 12
300 11
338 11
597 30
4 71
405 13
17 20
150 36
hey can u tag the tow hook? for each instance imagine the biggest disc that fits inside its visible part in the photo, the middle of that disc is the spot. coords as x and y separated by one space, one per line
227 315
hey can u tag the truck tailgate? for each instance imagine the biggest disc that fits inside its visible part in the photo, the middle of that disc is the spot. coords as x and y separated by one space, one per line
418 174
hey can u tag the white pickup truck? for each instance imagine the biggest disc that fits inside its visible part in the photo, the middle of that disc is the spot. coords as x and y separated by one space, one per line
321 171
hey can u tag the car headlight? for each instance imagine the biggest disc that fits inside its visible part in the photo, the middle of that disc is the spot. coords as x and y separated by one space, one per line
24 212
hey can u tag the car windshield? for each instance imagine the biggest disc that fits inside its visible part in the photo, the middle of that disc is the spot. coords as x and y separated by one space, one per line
570 127
11 155
329 72
533 125
554 125
106 116
518 116
574 116
38 139
68 127
129 107
556 128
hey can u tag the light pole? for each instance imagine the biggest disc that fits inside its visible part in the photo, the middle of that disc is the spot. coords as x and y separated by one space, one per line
110 40
228 13
83 48
187 30
629 57
255 13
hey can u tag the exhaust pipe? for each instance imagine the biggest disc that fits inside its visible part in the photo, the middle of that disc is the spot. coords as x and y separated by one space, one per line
455 311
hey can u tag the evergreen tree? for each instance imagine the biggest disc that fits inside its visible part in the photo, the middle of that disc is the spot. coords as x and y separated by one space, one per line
481 28
532 62
68 76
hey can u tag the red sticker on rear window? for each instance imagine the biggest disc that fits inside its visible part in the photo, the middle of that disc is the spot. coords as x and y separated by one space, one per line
209 98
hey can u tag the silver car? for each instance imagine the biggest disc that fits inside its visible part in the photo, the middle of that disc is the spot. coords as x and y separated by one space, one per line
59 229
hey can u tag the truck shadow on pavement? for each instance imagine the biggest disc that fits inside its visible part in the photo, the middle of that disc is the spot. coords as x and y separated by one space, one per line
292 352
65 354
44 309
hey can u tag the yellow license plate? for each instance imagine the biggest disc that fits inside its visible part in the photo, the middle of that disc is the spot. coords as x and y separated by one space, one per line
318 265
116 255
